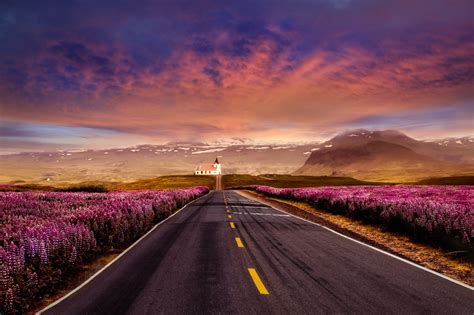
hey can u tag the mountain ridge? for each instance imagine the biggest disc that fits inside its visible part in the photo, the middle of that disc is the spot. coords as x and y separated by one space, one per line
438 158
387 155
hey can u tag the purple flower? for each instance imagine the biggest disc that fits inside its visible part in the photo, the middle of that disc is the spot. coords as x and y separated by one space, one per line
44 234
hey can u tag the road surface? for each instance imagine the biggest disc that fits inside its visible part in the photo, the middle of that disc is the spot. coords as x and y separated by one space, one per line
235 255
218 182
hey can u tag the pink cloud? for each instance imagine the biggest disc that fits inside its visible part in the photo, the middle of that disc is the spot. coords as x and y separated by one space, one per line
262 94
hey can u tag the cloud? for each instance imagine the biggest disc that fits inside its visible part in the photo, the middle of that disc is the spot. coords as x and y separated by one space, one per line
168 71
8 129
9 146
425 122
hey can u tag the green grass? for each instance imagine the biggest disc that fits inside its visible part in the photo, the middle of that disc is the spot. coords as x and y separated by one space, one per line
166 182
228 181
26 187
162 182
290 181
84 188
451 180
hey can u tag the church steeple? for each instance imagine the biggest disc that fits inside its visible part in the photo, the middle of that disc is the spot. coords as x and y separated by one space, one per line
216 161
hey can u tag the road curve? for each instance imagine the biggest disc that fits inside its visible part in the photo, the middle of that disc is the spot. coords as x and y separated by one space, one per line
225 253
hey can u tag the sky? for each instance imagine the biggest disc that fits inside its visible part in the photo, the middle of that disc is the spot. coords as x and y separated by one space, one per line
116 73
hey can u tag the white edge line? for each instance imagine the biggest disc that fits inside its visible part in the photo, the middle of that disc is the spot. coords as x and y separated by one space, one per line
114 260
372 247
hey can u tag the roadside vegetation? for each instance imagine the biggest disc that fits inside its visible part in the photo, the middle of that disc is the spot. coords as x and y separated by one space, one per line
228 181
161 182
166 182
84 188
454 264
46 237
293 181
437 215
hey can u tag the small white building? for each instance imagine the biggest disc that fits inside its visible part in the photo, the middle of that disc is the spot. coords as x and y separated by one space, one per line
209 169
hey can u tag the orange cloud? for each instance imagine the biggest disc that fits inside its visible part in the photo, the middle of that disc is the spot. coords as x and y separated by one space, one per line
263 93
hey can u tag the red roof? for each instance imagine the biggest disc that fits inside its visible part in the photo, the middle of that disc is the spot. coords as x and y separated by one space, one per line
206 167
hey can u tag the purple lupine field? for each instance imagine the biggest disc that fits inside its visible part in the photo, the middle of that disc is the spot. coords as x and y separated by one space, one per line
432 213
46 235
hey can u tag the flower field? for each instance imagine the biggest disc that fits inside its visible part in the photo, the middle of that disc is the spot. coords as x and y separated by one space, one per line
44 236
437 214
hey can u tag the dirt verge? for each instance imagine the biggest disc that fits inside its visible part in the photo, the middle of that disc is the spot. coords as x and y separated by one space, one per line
397 244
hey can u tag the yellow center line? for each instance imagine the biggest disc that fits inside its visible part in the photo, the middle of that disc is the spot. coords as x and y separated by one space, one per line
232 225
228 211
229 216
239 242
258 282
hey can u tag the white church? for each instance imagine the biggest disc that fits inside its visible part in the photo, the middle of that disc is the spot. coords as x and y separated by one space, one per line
209 169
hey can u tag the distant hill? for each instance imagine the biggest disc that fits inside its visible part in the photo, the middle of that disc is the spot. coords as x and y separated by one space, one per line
149 161
389 156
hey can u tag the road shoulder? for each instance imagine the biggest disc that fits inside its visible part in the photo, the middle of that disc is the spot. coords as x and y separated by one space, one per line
393 243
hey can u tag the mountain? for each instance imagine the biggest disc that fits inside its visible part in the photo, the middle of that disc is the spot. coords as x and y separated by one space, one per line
368 155
146 161
389 155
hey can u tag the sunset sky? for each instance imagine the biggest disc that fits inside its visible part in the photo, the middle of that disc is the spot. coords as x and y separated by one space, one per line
117 73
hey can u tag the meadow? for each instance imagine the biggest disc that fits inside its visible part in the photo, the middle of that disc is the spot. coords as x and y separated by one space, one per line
283 180
159 182
45 236
228 181
439 215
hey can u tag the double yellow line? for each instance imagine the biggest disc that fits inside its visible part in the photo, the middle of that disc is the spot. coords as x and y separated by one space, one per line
253 273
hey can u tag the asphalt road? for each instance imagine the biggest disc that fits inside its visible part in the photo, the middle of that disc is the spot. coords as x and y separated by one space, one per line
193 263
218 182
